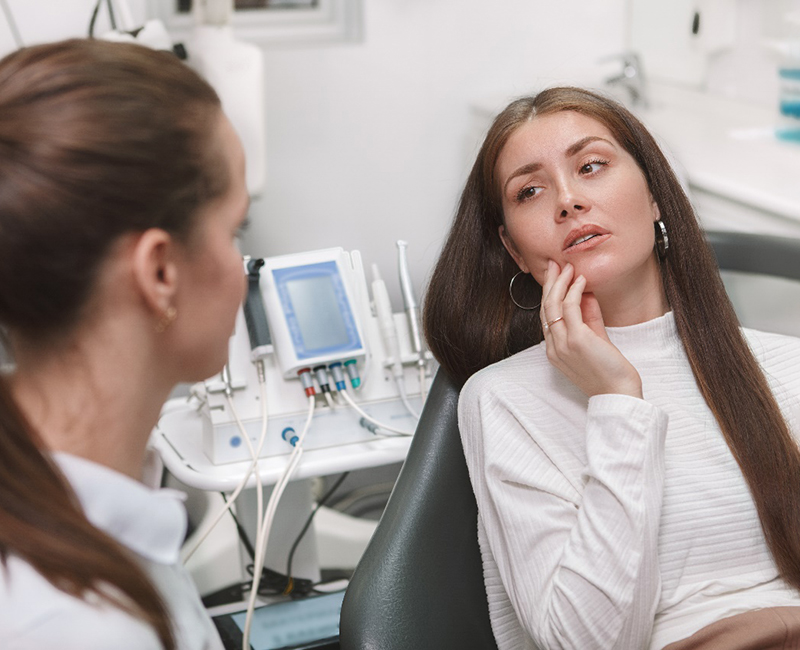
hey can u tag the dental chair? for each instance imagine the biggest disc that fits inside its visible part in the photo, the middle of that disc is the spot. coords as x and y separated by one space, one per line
758 254
419 585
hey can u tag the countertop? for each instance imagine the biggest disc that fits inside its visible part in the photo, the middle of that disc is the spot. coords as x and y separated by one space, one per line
727 148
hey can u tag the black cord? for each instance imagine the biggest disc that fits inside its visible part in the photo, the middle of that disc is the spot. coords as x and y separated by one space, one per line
94 18
242 532
321 503
12 24
273 583
96 12
111 16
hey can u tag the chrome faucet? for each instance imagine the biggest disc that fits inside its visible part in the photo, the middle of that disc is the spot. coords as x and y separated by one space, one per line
631 78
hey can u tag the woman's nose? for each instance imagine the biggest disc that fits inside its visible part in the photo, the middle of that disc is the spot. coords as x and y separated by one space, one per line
571 201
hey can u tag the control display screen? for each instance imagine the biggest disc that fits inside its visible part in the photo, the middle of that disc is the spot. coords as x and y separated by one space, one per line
318 312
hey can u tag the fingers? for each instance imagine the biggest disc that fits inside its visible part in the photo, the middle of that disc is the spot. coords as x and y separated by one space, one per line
555 290
550 277
571 305
592 316
572 320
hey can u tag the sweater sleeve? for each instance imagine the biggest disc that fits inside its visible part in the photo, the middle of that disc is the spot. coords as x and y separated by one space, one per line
577 554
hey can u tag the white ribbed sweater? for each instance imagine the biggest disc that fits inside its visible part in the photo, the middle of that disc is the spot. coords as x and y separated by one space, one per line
615 522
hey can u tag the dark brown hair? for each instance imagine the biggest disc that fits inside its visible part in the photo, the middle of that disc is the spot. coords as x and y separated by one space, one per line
97 139
470 321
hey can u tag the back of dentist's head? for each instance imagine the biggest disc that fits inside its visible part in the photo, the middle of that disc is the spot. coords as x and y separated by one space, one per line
97 140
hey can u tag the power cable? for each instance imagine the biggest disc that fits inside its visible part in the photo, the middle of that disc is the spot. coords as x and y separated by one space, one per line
12 24
321 503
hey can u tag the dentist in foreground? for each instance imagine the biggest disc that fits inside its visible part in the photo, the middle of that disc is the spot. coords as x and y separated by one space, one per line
632 450
122 189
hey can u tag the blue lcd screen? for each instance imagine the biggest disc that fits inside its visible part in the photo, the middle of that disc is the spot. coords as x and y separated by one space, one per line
317 311
302 623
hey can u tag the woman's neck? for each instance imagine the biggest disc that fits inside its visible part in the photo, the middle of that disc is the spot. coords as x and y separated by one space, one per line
634 300
94 400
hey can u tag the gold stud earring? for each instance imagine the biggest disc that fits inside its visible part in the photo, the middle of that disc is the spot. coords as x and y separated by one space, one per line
167 319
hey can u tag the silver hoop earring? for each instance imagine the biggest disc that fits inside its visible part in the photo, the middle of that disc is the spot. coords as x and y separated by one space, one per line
511 292
662 239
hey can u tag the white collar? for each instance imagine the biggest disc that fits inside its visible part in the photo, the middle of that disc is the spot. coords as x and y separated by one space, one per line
151 523
651 339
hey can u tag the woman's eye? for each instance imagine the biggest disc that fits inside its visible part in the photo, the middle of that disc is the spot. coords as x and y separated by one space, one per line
527 193
242 229
593 166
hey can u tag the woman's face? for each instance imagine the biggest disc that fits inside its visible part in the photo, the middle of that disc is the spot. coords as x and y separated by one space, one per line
572 194
212 275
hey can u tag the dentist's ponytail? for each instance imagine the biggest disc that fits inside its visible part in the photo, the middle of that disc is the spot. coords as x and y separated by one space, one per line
41 522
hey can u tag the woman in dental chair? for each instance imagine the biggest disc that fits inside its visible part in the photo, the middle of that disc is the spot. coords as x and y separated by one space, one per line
121 192
632 450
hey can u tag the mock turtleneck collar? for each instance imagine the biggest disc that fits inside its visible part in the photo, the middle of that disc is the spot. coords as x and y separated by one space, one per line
151 523
646 339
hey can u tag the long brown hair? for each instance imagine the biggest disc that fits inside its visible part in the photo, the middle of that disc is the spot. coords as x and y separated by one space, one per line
97 139
470 321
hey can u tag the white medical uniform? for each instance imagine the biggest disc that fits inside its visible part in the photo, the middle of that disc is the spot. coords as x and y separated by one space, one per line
151 524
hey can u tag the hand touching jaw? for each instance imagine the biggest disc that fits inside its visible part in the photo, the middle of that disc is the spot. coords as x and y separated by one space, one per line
576 339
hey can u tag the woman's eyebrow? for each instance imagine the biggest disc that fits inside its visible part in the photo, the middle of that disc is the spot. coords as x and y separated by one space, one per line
529 168
580 144
520 171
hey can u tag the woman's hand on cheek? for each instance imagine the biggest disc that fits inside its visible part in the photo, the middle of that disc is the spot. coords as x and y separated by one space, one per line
577 343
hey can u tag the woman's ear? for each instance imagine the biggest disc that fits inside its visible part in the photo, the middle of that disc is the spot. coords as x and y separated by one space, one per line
512 249
155 270
656 211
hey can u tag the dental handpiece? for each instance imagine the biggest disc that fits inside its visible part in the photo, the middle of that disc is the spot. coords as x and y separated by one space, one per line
384 313
409 300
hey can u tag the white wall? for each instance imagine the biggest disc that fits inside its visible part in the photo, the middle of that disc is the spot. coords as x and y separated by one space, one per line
47 20
371 142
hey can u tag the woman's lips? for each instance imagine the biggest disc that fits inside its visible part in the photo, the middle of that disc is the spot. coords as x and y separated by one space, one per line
587 245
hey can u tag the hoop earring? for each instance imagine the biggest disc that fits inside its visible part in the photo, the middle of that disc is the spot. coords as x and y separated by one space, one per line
511 292
662 239
167 319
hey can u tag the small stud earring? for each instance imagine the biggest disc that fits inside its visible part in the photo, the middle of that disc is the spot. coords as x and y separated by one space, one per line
167 319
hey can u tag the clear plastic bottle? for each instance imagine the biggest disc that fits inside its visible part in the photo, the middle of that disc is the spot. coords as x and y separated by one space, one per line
789 79
236 71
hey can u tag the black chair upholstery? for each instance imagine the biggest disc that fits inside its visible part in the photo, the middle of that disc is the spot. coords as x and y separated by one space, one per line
762 254
419 585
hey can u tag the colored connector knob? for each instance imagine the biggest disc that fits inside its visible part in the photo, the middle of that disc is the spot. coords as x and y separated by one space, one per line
322 378
288 434
352 371
307 381
338 375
